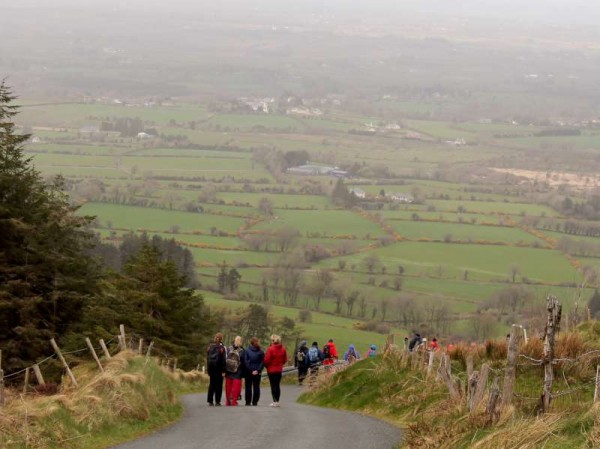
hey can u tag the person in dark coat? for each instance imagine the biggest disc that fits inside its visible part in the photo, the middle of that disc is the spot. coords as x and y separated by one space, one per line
234 367
301 361
415 341
215 362
254 363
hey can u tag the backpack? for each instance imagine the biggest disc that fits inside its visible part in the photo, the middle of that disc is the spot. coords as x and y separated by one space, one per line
327 352
313 355
233 361
214 354
300 356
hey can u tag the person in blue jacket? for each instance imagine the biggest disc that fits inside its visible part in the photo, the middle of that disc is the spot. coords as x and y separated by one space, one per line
315 358
254 362
372 352
351 355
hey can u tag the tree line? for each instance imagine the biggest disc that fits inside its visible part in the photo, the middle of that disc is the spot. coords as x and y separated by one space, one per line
54 282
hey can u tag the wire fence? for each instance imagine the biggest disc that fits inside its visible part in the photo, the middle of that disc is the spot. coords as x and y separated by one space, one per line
106 349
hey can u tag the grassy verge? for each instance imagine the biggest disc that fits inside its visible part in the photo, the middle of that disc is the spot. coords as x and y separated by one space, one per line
385 388
131 398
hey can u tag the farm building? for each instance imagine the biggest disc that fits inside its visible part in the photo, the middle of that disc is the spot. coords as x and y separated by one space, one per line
358 193
317 170
400 197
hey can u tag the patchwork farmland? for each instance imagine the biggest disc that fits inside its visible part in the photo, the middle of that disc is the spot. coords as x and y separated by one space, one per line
218 187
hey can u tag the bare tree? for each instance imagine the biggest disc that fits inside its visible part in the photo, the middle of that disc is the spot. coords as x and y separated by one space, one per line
515 270
384 305
371 262
265 205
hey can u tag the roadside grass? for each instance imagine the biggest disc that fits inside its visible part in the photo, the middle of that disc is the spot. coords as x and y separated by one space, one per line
131 398
385 387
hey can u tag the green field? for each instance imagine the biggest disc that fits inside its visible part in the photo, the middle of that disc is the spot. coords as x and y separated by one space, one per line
139 218
321 328
413 230
331 224
482 220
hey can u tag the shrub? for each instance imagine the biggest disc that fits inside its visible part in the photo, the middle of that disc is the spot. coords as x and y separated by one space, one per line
305 316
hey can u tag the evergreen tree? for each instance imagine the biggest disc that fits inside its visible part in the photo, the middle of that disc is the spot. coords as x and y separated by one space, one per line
45 276
154 302
222 279
341 196
233 280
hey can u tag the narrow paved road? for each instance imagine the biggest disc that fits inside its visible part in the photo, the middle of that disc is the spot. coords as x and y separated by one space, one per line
292 426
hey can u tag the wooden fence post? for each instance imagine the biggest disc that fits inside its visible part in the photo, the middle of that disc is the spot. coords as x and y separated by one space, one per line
445 375
88 342
471 389
175 365
553 322
389 342
123 339
26 383
1 381
511 366
430 363
413 360
469 366
597 389
140 346
481 386
149 351
64 362
38 375
494 394
104 349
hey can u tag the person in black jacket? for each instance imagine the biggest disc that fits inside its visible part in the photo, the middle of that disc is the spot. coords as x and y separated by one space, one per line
215 362
254 363
415 341
301 361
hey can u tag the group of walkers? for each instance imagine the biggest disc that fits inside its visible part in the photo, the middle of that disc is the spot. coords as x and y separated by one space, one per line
308 359
236 364
418 343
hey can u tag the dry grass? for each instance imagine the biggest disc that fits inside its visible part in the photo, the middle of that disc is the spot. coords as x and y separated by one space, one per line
130 388
521 433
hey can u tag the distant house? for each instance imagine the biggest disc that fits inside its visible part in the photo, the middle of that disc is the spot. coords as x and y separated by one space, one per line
358 193
317 170
459 142
89 129
400 197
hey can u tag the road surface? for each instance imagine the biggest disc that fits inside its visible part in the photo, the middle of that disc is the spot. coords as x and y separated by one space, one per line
291 426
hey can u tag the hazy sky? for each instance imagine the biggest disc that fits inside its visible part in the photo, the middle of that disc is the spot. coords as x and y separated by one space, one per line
565 12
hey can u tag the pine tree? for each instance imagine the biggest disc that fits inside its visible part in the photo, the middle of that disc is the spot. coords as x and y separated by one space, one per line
45 276
153 301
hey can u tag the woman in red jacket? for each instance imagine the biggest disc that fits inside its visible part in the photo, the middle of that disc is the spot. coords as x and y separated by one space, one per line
275 358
